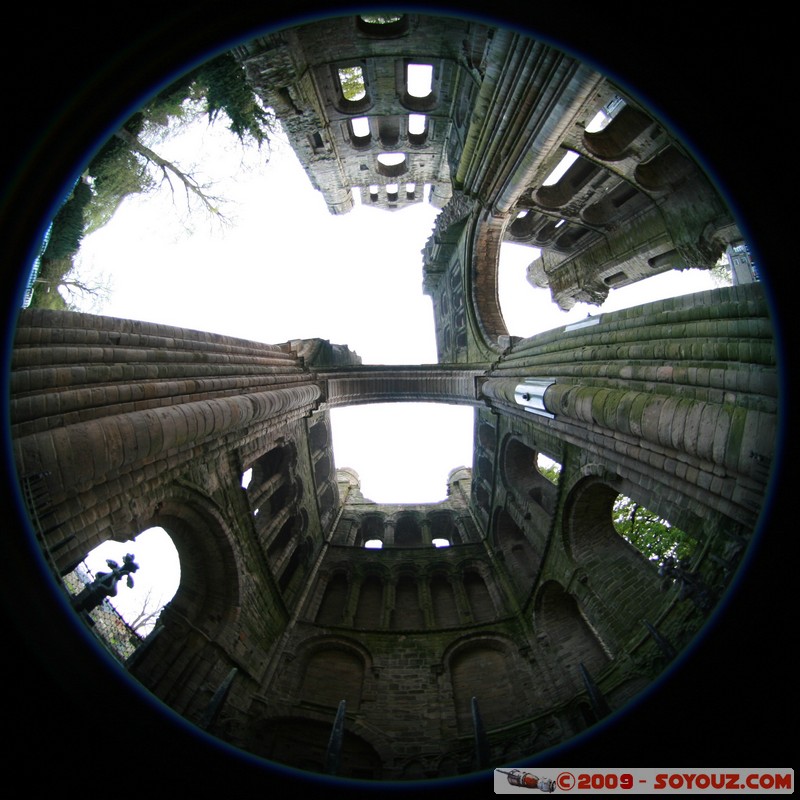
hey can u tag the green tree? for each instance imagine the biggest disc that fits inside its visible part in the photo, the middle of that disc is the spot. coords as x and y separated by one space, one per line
129 163
68 227
651 535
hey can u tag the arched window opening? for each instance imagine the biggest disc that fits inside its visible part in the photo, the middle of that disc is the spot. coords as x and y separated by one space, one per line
523 475
360 127
371 529
419 80
351 82
247 476
155 583
653 536
417 123
521 558
373 544
392 165
440 543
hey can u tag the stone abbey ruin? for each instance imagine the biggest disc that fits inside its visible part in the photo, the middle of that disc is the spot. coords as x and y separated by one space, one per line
538 619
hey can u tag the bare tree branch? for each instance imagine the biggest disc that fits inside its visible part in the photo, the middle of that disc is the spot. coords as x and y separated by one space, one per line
150 609
169 169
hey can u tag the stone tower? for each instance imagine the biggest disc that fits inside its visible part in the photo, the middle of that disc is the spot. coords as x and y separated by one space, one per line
539 619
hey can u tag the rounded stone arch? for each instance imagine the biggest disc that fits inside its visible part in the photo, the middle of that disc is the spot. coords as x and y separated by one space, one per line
484 468
589 533
408 531
211 573
205 609
483 667
521 558
371 526
482 281
443 525
616 571
520 473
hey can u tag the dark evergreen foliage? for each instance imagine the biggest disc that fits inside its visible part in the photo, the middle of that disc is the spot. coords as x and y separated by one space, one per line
68 224
227 90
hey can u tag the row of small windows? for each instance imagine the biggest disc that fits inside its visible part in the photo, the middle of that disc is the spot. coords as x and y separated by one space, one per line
377 544
388 130
392 191
418 82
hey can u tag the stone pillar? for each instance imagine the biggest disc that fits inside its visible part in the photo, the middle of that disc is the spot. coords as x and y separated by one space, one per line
425 525
388 533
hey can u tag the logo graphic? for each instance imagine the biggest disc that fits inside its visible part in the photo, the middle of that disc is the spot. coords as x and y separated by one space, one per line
527 780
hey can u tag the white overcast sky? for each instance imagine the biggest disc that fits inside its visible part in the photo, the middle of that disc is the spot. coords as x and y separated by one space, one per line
284 268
